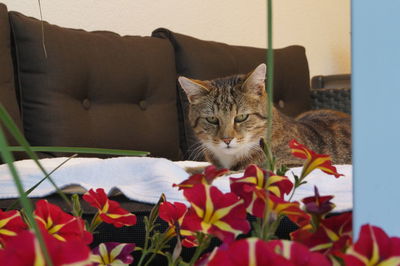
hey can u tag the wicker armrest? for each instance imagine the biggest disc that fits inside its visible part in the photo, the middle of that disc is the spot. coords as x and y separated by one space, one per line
337 99
331 92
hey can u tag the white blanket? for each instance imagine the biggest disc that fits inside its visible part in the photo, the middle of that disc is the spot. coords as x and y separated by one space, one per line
144 179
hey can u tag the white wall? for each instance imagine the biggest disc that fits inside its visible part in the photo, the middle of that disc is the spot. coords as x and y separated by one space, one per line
323 27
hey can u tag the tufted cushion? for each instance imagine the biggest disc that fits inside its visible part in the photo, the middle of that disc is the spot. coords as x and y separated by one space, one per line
7 89
207 60
96 89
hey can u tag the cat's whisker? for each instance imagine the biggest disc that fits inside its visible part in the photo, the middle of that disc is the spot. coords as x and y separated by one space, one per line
197 151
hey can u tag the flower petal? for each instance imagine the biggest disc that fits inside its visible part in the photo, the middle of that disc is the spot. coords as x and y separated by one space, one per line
60 224
313 160
110 211
213 212
24 249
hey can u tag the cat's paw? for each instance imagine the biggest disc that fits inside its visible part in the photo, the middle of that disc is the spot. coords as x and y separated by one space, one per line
195 170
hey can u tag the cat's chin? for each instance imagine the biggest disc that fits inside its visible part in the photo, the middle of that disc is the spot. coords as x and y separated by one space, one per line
219 150
229 150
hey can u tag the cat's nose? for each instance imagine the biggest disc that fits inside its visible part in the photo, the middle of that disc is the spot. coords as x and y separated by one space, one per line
227 140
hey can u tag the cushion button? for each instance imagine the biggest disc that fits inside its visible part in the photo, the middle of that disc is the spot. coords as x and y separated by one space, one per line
281 104
86 104
143 105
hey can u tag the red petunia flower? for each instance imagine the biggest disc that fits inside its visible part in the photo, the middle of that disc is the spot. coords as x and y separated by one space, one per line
24 250
333 235
373 247
291 210
173 214
297 254
109 211
216 213
253 187
254 175
11 224
210 173
60 224
254 251
313 160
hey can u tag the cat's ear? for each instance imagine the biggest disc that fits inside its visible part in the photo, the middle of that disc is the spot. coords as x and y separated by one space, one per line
194 89
255 82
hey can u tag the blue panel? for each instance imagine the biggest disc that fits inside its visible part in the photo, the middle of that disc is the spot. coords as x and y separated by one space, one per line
376 113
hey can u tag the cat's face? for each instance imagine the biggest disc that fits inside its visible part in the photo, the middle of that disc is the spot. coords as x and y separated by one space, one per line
228 114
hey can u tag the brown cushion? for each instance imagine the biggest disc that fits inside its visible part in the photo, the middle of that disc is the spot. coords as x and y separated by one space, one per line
7 89
96 89
208 59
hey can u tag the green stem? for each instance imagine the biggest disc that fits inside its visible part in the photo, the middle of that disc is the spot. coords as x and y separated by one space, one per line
270 72
159 246
266 221
145 250
275 226
151 258
270 164
297 184
144 254
96 221
293 191
204 241
315 221
146 241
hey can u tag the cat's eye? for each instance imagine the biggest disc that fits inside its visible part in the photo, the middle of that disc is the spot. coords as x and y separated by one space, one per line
241 118
212 120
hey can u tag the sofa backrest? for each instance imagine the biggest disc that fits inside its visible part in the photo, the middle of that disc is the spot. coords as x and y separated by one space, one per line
95 89
100 89
206 60
8 97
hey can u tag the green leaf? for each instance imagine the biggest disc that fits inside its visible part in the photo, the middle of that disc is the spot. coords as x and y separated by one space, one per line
82 150
302 183
8 158
154 211
282 170
13 129
296 180
14 204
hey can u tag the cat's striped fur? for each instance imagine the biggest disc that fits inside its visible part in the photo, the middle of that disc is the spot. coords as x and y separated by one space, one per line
228 116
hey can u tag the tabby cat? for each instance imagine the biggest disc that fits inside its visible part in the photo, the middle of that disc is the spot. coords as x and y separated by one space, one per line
229 115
